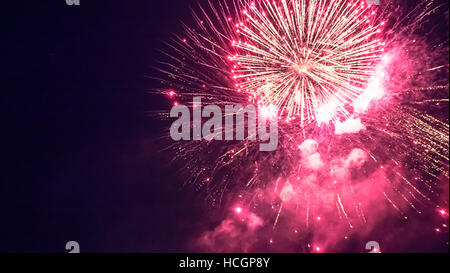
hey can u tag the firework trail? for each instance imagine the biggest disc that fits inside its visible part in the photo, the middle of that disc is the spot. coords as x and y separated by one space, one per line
362 97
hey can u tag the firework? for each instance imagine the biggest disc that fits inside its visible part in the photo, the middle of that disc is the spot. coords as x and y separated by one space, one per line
303 56
362 137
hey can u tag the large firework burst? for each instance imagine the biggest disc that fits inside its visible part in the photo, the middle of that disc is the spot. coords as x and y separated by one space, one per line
361 94
302 56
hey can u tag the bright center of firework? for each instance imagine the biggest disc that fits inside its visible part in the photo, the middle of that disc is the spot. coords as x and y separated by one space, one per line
300 56
301 69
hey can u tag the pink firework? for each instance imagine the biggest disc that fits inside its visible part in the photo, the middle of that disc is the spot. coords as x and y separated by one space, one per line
362 145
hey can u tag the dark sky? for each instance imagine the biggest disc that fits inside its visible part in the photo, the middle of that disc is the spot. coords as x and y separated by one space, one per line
80 161
79 157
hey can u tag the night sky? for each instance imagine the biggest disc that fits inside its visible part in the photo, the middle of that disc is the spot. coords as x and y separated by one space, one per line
80 156
80 160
